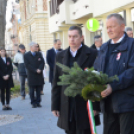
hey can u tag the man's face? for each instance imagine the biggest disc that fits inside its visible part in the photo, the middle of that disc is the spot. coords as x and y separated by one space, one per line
114 29
130 34
34 48
58 45
98 43
74 38
22 50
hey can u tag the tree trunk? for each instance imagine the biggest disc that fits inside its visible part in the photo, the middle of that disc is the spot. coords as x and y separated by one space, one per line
3 4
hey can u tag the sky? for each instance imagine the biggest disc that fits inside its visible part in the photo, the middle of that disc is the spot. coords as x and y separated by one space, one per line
12 8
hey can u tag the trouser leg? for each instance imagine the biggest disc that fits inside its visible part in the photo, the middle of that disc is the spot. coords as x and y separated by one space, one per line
7 96
111 123
33 101
127 123
38 95
3 96
22 85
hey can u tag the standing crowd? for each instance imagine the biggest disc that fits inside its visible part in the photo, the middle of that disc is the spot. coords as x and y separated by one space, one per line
115 57
31 68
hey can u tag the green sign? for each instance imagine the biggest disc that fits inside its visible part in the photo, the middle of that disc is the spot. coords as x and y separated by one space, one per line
93 25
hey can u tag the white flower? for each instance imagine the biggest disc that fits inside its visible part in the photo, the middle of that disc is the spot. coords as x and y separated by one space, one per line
96 72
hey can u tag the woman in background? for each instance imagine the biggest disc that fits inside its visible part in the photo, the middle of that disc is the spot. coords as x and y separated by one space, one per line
6 80
44 71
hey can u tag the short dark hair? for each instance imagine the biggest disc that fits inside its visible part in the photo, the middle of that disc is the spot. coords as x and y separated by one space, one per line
2 48
96 37
128 29
38 47
118 17
21 46
76 28
56 40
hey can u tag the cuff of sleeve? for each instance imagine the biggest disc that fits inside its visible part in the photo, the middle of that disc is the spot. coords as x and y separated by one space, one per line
114 86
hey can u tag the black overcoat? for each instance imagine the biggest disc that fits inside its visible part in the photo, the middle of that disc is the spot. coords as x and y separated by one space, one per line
33 63
51 55
6 69
60 102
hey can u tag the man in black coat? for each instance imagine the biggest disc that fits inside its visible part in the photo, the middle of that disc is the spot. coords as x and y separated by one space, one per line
97 42
72 112
116 57
34 63
50 57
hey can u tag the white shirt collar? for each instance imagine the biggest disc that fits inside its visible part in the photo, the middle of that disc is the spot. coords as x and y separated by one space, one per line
98 48
4 59
55 50
74 53
112 42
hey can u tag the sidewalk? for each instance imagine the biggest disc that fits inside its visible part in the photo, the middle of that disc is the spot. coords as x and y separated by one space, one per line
35 121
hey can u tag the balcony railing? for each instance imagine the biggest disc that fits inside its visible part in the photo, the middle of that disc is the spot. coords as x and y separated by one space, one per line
54 6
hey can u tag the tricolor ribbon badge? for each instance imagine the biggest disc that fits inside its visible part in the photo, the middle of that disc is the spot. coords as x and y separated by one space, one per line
39 59
118 56
86 69
8 63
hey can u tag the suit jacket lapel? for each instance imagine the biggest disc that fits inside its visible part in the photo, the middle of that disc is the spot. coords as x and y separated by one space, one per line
65 58
54 53
103 53
83 56
3 61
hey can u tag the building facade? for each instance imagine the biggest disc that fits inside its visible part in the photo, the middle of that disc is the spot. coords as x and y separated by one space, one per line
64 13
12 26
34 24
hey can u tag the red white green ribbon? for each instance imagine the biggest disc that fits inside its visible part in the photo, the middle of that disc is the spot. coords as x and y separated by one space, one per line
91 117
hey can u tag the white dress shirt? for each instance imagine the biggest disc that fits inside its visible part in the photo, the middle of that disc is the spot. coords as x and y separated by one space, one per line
74 53
112 42
98 48
4 59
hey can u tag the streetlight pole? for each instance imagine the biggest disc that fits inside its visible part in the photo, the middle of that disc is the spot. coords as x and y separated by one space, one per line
3 4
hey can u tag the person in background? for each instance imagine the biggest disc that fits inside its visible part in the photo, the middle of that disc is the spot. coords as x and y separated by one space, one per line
97 42
44 71
50 57
19 63
129 32
34 63
6 80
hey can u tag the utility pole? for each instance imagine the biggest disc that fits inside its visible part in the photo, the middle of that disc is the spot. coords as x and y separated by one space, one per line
3 4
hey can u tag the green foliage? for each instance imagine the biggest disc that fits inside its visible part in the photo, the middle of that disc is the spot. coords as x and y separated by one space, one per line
88 83
16 88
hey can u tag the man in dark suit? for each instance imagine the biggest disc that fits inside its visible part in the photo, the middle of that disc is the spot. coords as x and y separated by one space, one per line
34 63
129 32
50 57
97 42
72 112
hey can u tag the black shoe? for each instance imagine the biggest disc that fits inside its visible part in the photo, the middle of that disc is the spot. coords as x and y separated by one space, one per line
39 105
34 105
4 108
9 108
